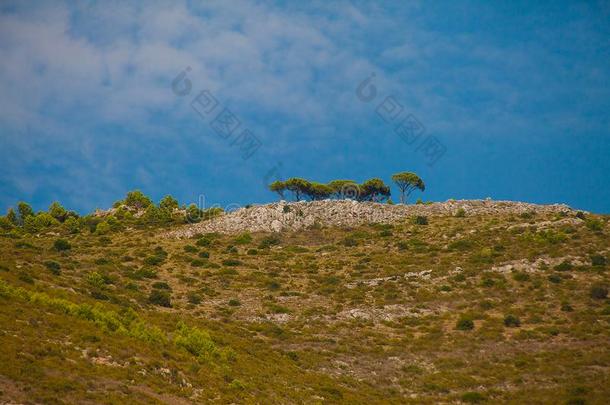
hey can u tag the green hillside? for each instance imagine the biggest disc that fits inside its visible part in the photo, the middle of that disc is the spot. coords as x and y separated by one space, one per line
502 308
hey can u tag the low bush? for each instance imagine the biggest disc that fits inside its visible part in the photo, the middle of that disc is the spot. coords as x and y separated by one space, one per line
61 245
153 260
203 242
350 241
564 266
460 213
53 266
193 298
96 280
598 291
464 323
420 220
190 249
594 224
512 321
598 260
269 241
243 239
161 298
521 276
473 397
161 285
196 341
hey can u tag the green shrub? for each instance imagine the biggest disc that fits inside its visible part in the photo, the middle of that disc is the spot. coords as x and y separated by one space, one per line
38 222
193 298
72 225
204 255
153 260
102 228
512 321
488 282
12 217
598 260
402 245
190 249
464 323
461 245
96 280
473 397
25 210
196 341
6 224
62 245
136 199
156 216
168 203
243 239
594 224
234 302
161 285
460 213
527 215
350 241
198 263
161 298
564 266
555 278
231 262
58 212
252 252
521 276
598 291
269 241
203 242
420 220
26 277
53 266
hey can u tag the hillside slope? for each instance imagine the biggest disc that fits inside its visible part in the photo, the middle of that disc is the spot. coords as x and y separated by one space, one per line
456 302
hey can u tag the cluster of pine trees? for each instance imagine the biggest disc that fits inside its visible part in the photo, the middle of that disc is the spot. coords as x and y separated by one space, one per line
137 209
371 190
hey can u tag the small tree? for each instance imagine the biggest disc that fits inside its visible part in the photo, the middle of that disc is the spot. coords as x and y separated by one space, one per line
168 203
407 182
25 210
62 245
344 188
374 190
298 187
136 199
11 216
278 187
318 191
57 211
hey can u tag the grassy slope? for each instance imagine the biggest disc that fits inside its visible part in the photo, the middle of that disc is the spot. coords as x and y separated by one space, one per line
327 315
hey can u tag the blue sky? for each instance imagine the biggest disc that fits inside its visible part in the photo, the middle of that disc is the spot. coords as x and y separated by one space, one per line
515 94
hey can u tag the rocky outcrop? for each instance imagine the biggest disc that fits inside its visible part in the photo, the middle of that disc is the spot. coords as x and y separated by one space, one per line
293 216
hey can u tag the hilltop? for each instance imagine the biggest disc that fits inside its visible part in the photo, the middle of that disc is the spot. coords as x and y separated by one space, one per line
307 302
294 216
